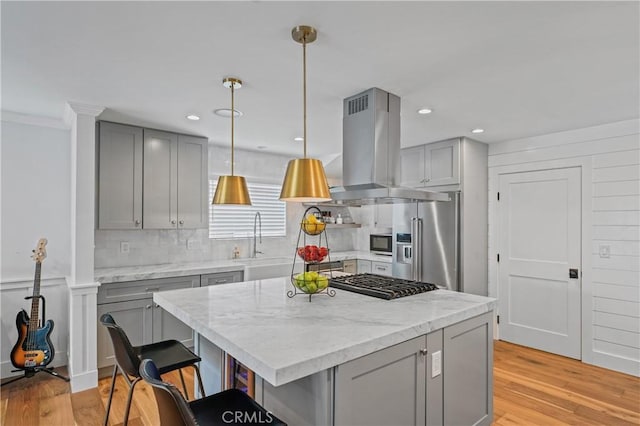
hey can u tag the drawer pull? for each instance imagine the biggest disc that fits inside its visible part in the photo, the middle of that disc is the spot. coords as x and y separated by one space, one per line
222 281
151 289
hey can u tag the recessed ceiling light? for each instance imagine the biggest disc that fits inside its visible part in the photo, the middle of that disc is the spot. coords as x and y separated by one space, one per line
193 117
298 139
226 112
425 111
477 130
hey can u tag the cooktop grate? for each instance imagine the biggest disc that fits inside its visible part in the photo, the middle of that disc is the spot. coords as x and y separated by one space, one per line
381 286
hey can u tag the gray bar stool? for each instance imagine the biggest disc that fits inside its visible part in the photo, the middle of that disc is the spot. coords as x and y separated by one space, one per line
169 355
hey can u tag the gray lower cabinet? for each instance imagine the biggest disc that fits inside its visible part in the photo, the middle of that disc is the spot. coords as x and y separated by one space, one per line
468 372
135 318
131 304
394 376
221 278
442 378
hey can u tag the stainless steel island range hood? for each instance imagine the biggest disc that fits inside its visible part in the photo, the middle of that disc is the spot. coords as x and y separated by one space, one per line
371 153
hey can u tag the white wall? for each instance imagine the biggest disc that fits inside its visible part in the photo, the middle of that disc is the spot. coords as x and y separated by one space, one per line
610 159
35 190
148 247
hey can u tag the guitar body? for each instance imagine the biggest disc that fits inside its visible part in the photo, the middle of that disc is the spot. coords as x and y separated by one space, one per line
36 351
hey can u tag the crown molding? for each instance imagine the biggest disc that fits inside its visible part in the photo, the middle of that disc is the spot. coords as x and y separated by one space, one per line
33 120
71 109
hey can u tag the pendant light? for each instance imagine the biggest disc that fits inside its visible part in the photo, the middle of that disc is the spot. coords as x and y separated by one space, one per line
232 189
305 180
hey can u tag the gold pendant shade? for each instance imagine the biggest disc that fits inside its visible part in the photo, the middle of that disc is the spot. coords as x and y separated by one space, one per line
232 189
305 180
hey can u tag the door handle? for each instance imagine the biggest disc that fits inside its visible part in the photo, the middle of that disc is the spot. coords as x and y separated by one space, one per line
573 273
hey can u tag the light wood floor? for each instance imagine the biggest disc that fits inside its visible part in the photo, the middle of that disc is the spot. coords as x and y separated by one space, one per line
530 388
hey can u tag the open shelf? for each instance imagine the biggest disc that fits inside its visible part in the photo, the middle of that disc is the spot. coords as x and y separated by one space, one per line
343 225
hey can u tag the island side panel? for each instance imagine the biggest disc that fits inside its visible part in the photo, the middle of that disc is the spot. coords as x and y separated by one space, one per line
211 366
468 372
306 401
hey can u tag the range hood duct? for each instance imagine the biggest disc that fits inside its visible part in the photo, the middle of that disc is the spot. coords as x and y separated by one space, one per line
371 153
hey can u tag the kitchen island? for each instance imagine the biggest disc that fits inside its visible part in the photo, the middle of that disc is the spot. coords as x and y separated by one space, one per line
349 359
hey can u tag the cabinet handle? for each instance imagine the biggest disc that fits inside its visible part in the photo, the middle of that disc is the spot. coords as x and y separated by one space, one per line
156 306
181 222
381 268
221 281
173 222
148 307
137 222
424 352
151 289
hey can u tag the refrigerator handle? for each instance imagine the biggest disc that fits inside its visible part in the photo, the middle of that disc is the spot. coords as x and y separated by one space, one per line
416 249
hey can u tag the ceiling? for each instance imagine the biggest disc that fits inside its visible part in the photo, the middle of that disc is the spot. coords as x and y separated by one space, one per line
516 69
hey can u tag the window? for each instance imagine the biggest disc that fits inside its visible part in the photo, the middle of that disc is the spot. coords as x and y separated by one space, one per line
237 221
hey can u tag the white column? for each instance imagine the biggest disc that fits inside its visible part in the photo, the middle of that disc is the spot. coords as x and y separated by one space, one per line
82 287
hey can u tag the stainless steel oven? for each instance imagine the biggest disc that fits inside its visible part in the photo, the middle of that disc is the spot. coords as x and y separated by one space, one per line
381 244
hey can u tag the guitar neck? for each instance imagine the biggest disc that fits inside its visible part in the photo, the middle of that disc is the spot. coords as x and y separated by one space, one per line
35 302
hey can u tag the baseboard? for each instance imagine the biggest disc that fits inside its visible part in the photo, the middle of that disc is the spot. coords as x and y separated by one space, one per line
612 362
60 360
84 381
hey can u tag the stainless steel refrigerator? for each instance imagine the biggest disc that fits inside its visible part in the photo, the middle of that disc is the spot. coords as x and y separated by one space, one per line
426 242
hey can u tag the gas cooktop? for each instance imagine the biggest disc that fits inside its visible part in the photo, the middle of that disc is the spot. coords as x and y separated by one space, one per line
380 286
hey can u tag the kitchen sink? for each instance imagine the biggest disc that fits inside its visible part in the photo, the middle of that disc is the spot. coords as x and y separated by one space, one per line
267 267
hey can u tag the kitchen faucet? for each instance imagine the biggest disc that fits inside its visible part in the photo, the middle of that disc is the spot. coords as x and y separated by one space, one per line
257 218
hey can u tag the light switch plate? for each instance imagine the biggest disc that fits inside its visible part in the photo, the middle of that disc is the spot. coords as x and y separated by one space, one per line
124 247
604 250
436 364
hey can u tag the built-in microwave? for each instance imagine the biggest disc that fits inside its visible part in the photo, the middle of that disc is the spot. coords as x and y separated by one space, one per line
381 244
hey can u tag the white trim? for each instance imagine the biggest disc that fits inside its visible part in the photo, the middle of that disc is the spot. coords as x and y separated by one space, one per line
33 120
585 245
82 288
14 284
84 109
84 381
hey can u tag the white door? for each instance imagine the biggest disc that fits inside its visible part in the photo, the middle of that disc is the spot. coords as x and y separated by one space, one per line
539 221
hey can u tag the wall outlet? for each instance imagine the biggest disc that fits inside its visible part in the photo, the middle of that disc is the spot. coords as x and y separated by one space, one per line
604 250
436 364
124 247
192 244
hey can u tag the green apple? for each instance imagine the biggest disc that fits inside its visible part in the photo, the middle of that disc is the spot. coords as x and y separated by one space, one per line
322 282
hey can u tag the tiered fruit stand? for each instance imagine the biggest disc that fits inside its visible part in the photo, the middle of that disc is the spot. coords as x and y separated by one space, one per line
304 284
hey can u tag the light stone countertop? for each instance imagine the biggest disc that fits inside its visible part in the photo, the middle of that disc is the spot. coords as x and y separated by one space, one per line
284 339
166 270
362 255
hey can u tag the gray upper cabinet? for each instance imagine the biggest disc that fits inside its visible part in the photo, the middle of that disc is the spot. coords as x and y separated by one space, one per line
160 190
150 179
412 170
434 164
193 183
119 176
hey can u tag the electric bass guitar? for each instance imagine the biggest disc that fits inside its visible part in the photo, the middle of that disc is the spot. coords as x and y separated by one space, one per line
34 348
